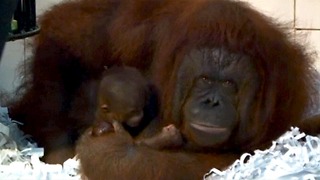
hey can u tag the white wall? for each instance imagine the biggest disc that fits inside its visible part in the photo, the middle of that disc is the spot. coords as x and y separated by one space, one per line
303 14
15 52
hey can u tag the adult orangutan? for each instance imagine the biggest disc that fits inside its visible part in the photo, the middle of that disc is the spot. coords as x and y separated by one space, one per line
228 78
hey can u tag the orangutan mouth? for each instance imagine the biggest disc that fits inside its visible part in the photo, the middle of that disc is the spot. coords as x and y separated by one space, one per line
208 128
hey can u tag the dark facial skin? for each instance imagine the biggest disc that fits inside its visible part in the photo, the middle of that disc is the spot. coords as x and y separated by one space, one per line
122 96
211 107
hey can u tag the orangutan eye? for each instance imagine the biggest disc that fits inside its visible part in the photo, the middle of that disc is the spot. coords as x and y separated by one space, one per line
206 79
227 83
230 85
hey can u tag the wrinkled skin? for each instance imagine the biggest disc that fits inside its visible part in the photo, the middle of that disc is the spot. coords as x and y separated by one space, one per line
212 108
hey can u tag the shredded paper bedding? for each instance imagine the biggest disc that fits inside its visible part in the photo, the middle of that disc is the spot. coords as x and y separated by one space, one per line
20 159
294 155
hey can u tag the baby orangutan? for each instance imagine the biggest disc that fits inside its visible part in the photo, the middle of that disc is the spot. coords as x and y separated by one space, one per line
123 95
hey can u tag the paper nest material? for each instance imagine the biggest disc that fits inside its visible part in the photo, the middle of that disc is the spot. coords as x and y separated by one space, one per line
294 155
20 159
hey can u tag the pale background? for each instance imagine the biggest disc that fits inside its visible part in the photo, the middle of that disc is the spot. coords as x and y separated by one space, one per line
303 16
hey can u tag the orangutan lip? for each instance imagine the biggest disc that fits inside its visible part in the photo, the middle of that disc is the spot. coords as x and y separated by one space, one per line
208 129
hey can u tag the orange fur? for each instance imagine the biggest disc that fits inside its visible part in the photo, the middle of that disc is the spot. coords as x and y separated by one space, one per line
80 37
